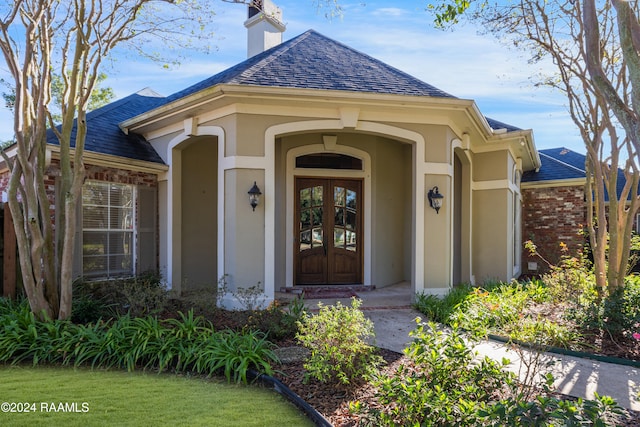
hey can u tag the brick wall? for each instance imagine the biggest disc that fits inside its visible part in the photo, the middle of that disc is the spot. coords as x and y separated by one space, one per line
98 173
552 215
92 172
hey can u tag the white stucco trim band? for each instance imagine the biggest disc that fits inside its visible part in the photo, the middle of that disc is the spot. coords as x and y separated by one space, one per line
169 215
498 184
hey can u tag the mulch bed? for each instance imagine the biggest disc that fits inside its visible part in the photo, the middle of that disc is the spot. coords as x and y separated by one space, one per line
333 402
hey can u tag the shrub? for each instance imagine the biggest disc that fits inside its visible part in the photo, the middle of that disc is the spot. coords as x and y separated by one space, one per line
144 295
446 384
491 308
88 307
544 333
618 314
338 339
276 322
140 296
439 309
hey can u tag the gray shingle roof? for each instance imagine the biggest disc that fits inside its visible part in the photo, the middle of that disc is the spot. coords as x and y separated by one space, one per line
313 61
562 163
308 61
105 136
557 164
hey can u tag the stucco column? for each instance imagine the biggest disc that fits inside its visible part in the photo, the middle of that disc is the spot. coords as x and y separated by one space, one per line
244 231
438 237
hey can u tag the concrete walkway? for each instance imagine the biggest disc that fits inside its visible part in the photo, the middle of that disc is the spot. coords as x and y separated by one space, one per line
390 310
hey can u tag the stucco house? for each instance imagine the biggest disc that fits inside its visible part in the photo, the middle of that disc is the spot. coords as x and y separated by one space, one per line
344 150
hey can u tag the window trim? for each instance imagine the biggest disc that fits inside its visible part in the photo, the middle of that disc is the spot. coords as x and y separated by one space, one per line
107 273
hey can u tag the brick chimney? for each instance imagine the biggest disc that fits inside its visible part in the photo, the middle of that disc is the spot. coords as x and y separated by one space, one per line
264 27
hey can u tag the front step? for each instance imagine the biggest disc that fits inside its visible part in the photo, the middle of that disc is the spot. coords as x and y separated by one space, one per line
300 289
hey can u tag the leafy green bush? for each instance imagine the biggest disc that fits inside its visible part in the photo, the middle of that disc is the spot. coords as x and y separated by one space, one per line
495 307
338 339
140 296
88 307
618 314
543 333
572 281
550 411
276 322
446 384
144 295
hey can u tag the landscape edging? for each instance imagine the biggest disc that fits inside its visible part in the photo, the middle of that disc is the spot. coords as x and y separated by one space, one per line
567 352
311 413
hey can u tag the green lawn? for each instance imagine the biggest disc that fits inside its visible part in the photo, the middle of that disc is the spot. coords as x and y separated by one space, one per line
110 398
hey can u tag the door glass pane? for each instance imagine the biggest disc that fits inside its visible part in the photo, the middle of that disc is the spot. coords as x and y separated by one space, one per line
351 199
305 240
338 238
351 240
305 219
317 196
305 198
338 196
351 220
317 216
339 217
311 222
317 237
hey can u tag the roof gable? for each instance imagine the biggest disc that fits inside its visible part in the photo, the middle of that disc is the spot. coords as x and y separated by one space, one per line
558 164
313 61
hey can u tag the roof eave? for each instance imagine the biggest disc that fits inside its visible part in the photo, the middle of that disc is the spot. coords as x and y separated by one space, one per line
115 162
184 106
171 109
569 182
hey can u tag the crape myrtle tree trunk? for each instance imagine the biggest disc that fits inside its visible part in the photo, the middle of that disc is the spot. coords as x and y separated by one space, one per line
595 54
71 38
623 102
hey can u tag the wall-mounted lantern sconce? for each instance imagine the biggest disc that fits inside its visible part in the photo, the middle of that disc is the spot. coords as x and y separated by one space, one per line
435 199
254 195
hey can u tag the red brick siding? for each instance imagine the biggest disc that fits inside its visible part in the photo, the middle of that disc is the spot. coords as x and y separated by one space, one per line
98 173
549 216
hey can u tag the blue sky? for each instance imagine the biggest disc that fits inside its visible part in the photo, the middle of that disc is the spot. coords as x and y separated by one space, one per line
460 62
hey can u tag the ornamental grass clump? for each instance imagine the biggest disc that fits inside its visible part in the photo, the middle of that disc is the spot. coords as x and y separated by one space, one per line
338 338
186 344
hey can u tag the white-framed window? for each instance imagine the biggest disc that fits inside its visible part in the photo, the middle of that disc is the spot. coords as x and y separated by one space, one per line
108 235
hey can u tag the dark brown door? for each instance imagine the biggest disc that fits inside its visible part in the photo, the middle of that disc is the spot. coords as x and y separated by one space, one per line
328 231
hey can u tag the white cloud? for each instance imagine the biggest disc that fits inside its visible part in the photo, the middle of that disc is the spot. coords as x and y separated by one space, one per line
387 12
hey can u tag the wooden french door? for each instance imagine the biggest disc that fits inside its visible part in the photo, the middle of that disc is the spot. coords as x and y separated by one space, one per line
328 243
